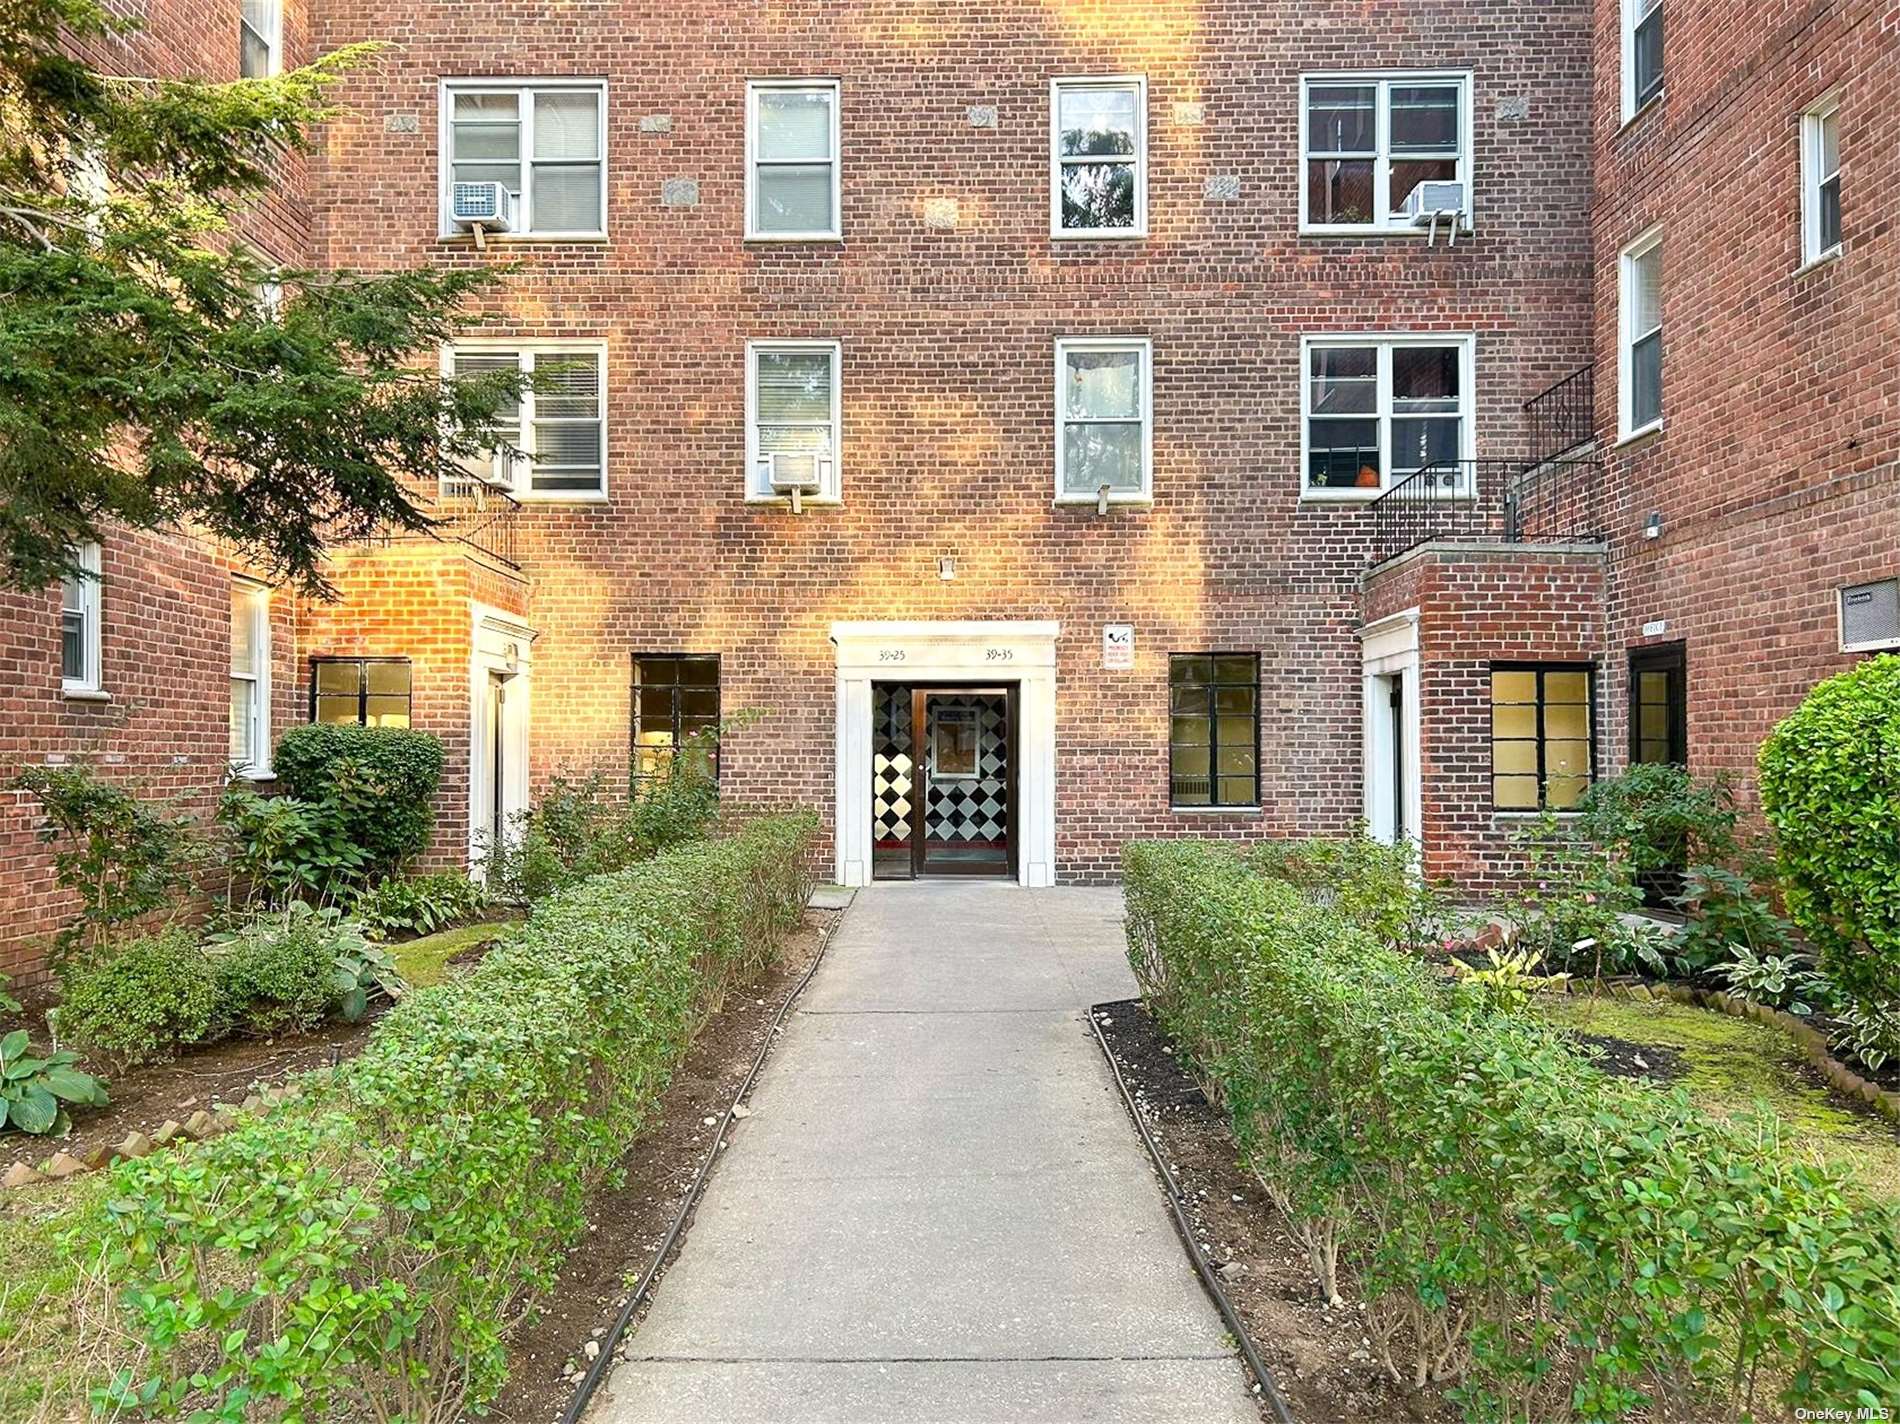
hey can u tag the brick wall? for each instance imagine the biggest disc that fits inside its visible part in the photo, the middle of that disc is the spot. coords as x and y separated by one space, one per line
947 349
1777 473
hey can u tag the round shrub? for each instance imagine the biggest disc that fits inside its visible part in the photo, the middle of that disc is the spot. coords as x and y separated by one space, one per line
1830 785
140 1004
279 972
381 780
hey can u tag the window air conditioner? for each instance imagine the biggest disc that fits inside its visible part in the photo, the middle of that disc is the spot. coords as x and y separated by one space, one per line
795 474
482 205
1432 200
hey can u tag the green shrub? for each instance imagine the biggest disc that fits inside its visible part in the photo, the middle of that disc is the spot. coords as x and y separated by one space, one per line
381 780
277 972
36 1087
121 858
1552 1243
420 904
1830 786
282 849
363 1252
142 1002
1660 818
1376 886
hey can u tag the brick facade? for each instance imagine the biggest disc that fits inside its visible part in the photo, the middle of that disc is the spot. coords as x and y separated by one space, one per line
947 295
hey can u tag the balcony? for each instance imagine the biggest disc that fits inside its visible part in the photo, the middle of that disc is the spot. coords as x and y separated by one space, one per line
1551 495
482 515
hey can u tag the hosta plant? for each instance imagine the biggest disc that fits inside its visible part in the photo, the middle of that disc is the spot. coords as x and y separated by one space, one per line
363 967
35 1088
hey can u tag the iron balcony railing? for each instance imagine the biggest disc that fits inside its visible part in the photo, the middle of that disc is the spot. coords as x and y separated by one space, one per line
1562 417
480 514
1489 501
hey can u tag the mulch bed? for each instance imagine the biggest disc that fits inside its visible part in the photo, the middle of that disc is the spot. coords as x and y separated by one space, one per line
626 1224
1320 1357
1621 1058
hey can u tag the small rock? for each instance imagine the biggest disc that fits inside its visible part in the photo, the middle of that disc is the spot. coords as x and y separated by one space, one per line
198 1125
167 1130
95 1158
591 1349
740 1110
64 1164
188 1103
136 1144
711 1121
20 1175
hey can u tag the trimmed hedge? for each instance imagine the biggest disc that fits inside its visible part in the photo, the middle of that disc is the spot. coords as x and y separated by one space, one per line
1830 787
363 1251
1551 1242
381 780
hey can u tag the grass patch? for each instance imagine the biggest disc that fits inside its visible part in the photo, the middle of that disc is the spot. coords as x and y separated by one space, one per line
424 961
49 1351
1734 1065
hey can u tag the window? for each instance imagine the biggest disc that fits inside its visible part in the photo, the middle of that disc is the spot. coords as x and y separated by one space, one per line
1369 140
544 142
675 698
1541 737
793 185
1820 181
558 427
1642 54
793 394
1378 409
1098 157
372 692
1104 430
260 38
250 678
1214 729
1640 329
1659 714
80 616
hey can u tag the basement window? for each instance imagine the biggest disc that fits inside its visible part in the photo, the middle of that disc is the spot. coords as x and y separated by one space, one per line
369 692
1214 730
1542 735
675 709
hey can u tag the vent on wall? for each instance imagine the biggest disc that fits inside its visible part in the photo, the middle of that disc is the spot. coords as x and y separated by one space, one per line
1870 616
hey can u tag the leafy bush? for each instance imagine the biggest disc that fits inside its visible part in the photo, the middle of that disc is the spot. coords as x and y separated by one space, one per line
1661 818
140 1003
1830 786
282 849
278 972
580 828
1376 886
363 968
1553 1243
1782 981
1571 906
362 1252
1726 916
380 780
124 860
34 1088
420 904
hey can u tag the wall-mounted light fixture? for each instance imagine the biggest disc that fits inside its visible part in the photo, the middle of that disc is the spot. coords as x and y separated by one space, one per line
1653 529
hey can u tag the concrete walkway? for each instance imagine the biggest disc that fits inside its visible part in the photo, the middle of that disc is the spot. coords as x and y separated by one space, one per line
938 1210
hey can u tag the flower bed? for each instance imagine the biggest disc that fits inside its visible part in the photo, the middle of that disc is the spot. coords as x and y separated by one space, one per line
364 1249
1546 1241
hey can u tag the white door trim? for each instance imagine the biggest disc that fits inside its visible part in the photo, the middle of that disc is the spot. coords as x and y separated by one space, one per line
1388 647
498 642
918 652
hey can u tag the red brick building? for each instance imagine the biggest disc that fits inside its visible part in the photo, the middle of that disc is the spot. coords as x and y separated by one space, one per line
1050 424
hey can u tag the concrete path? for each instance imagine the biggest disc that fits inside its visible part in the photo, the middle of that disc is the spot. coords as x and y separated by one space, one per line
938 1210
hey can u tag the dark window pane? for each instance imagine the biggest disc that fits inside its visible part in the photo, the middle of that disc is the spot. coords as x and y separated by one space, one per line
1342 454
1831 213
1649 55
1418 443
1345 381
1098 195
1425 379
1424 118
1646 381
1339 190
1408 174
72 646
1341 118
1231 670
1191 700
1190 669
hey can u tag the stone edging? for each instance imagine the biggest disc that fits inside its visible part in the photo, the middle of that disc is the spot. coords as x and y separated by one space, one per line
1839 1076
196 1128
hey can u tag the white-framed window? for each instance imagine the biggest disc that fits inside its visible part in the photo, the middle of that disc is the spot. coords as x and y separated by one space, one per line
260 38
1104 419
793 137
81 614
1098 157
1821 181
1640 336
1377 409
1367 140
544 140
250 678
557 431
794 399
1642 54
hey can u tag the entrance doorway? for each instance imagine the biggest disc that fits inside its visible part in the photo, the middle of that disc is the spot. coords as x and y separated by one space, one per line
943 780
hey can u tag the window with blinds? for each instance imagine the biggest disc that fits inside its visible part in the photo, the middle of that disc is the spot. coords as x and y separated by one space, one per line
546 144
793 395
1641 327
552 442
